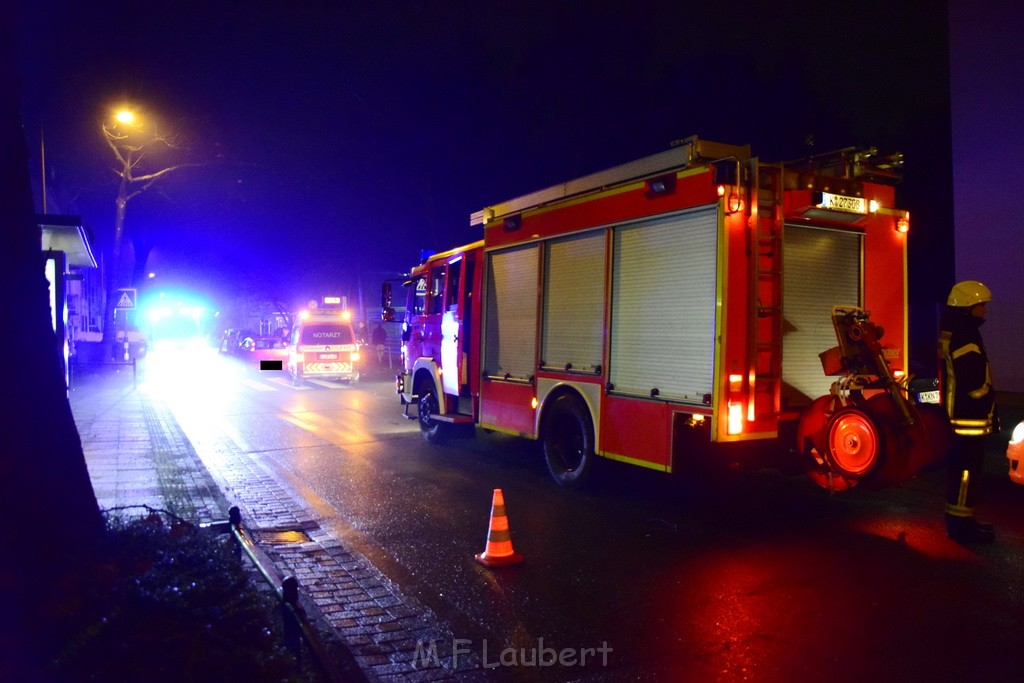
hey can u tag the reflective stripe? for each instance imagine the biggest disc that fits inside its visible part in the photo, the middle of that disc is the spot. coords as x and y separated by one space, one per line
977 427
978 393
961 497
959 511
965 349
965 422
972 432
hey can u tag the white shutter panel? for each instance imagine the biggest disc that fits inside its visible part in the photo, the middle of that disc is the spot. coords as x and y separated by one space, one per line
663 306
574 302
511 324
821 268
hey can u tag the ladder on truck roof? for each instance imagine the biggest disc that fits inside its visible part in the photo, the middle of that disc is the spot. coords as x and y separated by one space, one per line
684 153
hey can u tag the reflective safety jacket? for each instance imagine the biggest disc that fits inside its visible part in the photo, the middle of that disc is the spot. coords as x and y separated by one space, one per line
966 378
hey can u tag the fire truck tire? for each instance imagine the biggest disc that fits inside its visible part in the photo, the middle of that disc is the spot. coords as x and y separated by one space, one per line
432 430
568 441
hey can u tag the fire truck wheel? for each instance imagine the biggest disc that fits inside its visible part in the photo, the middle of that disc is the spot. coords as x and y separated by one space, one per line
568 441
432 430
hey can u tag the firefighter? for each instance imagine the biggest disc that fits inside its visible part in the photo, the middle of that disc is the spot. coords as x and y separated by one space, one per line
969 399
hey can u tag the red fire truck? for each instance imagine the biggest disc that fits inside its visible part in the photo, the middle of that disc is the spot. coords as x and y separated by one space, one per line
697 302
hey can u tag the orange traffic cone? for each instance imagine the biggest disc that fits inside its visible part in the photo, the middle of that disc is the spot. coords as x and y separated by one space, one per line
498 552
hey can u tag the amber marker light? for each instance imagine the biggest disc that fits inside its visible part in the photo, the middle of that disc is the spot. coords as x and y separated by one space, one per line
903 223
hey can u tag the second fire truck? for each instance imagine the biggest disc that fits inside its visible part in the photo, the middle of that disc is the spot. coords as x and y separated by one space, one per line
699 302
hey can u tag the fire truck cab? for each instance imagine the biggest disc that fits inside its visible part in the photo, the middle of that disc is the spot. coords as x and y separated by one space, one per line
679 305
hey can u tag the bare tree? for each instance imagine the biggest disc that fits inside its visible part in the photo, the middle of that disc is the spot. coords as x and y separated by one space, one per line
133 143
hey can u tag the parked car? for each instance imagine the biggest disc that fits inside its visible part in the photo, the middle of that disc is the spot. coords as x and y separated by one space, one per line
233 340
265 348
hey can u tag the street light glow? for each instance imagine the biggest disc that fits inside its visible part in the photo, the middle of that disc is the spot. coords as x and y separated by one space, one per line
125 116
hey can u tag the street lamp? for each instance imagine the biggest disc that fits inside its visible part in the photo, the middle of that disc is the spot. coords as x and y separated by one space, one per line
131 137
125 116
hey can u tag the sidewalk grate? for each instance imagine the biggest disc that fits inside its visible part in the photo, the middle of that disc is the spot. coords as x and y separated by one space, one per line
282 536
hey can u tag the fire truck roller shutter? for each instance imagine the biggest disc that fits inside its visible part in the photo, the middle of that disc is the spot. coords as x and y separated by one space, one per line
574 302
821 268
663 306
511 319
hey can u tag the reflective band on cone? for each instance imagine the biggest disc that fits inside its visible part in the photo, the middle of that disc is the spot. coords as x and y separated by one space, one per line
499 550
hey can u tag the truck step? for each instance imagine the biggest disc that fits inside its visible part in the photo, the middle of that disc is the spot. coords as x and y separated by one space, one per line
454 418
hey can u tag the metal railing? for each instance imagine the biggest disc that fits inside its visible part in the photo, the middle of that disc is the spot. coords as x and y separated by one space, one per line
298 624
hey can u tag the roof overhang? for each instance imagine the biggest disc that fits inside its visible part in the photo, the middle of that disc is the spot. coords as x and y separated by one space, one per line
66 234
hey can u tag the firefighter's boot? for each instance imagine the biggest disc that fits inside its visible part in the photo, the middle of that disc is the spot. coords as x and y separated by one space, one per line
968 530
961 524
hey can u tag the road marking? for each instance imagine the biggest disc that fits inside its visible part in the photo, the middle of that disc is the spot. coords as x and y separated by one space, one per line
329 385
258 386
287 383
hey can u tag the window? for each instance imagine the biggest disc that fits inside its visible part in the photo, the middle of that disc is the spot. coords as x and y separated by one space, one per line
417 295
452 296
323 335
436 298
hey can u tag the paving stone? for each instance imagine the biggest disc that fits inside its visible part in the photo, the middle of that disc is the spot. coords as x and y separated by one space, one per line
141 457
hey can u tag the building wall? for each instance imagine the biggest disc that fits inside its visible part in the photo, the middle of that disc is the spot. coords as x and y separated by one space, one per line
986 67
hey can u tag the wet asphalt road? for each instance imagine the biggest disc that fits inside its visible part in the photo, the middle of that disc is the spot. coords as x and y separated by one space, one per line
750 575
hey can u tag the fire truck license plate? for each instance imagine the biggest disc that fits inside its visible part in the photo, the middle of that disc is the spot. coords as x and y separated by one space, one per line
928 397
327 356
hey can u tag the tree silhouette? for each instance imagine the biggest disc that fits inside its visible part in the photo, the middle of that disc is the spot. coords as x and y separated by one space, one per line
136 140
47 504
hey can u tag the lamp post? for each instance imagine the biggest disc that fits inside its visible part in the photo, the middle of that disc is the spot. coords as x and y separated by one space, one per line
130 136
117 138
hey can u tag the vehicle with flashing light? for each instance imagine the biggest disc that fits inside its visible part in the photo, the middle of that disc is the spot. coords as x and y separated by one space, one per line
323 345
700 303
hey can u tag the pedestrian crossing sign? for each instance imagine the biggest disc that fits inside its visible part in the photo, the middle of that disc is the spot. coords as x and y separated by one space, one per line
125 299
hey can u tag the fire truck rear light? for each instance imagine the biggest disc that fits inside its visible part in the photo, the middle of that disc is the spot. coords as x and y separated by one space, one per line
721 190
534 403
355 356
873 206
735 382
735 417
903 225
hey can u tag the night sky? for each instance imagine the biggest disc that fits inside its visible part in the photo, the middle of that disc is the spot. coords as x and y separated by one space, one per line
339 139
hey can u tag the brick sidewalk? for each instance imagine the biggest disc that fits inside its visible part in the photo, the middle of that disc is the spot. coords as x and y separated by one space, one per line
138 455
